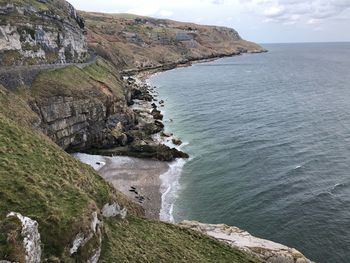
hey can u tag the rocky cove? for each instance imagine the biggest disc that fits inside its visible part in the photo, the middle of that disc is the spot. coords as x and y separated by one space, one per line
56 209
143 181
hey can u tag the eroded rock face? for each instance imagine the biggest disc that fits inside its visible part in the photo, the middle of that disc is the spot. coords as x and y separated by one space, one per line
29 35
77 124
31 238
267 250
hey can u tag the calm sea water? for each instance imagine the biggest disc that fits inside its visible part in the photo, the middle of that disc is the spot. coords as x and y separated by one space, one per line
269 136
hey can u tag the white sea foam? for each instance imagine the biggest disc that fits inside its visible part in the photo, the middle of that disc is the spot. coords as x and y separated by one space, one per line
170 181
169 189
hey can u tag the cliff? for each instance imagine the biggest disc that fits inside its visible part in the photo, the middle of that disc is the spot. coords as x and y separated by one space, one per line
40 32
55 209
134 42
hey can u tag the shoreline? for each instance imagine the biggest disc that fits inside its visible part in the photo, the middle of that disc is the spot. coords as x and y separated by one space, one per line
149 182
144 73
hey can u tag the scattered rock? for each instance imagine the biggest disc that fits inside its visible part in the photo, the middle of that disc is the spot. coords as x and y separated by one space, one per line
176 142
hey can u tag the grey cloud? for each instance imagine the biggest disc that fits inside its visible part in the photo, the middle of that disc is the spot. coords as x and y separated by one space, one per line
288 11
218 2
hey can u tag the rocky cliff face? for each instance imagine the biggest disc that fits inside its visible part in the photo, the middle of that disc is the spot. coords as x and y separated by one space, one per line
40 32
78 124
82 108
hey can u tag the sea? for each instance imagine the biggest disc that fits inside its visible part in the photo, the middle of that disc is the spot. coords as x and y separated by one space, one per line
269 140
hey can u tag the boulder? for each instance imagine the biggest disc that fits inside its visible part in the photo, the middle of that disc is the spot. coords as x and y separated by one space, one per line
157 115
176 141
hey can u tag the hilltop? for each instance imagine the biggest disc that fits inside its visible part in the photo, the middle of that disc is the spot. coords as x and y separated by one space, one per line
135 42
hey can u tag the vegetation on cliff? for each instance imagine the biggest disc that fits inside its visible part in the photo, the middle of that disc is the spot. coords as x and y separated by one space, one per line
39 180
131 41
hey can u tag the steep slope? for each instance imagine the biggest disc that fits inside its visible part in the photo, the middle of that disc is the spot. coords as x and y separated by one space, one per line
141 42
73 214
79 108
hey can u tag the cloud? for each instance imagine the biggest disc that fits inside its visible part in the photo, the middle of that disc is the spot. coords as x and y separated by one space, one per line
218 2
294 11
166 13
149 10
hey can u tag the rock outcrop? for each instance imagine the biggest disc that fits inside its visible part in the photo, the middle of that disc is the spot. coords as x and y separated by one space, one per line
78 124
33 32
30 243
113 210
266 250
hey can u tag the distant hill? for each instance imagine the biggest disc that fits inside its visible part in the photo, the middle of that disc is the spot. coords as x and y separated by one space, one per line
131 41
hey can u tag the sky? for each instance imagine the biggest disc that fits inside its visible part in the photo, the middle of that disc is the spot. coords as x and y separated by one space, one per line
261 21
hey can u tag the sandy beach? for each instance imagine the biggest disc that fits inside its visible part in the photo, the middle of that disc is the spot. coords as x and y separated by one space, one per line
139 179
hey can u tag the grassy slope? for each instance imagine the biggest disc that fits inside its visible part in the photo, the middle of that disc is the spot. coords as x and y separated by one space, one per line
79 83
143 241
106 33
42 182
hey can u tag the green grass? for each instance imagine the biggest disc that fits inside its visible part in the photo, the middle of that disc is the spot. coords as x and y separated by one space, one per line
39 180
16 108
138 240
94 81
36 4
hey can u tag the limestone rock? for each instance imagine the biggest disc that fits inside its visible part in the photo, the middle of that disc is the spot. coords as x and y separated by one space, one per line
31 238
82 238
41 37
267 250
113 210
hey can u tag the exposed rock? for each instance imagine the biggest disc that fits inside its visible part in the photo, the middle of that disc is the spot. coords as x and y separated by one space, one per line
31 238
95 257
39 37
269 251
82 238
77 242
176 141
78 123
113 210
157 115
164 134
